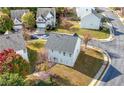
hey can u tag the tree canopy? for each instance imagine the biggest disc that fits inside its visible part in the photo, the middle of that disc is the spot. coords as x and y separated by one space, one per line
5 23
11 79
28 20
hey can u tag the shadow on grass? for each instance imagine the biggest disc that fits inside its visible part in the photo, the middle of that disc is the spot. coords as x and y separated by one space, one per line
88 65
111 74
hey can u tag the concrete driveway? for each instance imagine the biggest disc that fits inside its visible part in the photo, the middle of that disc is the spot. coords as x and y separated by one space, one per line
115 48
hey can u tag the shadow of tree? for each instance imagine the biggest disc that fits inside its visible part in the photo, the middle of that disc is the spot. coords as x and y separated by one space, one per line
111 74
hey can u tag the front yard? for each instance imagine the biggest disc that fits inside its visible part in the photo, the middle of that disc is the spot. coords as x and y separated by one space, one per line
87 65
76 29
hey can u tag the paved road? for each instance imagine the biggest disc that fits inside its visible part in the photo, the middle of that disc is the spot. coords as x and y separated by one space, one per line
115 48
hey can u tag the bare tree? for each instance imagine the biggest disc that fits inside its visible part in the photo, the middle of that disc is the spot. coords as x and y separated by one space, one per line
86 38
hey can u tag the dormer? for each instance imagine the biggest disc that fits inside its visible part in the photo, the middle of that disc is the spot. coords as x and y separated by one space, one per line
49 16
17 22
40 19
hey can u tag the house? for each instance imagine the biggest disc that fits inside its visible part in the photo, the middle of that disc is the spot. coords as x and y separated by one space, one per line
14 41
83 11
63 48
16 17
46 17
89 18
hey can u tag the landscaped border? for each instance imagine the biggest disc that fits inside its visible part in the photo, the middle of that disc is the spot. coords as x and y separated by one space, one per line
107 61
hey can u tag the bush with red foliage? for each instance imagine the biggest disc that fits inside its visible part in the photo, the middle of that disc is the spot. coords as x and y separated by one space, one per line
12 62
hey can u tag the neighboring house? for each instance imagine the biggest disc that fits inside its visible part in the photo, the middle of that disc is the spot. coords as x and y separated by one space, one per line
45 17
16 17
14 41
83 11
90 19
63 48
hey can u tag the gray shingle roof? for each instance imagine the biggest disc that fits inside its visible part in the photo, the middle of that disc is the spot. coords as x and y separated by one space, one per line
62 42
18 13
99 15
12 40
45 11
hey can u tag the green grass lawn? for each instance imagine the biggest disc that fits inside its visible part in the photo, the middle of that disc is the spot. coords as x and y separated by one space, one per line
85 68
76 29
33 47
37 44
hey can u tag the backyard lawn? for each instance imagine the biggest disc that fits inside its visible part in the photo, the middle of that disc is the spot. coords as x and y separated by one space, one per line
87 65
85 68
33 47
37 44
76 29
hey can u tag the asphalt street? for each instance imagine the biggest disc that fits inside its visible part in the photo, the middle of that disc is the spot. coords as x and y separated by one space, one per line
115 49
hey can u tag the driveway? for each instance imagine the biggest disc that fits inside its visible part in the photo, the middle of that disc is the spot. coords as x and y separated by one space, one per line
115 48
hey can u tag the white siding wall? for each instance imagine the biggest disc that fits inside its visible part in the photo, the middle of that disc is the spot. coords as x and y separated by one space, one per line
83 11
23 53
90 21
66 60
17 27
41 25
77 50
51 21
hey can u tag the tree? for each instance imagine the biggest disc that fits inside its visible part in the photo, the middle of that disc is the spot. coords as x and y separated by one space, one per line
65 24
6 10
86 38
28 20
13 63
5 23
11 79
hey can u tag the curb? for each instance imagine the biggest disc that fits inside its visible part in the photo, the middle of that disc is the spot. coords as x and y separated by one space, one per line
100 74
104 72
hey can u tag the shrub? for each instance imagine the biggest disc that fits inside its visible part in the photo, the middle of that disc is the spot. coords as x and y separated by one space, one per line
66 25
32 55
28 20
5 23
12 62
11 79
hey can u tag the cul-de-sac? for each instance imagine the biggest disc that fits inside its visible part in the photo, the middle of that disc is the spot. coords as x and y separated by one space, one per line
61 46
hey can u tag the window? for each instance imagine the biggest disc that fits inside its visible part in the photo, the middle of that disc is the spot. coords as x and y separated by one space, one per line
64 53
52 50
54 59
86 9
70 55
